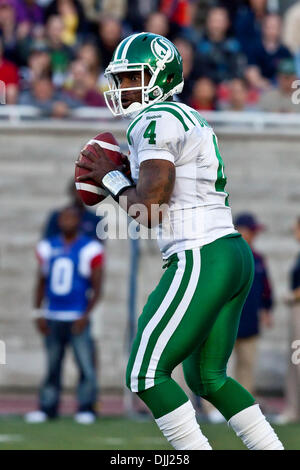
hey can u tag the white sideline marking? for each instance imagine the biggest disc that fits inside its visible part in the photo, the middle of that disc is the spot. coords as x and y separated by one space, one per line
11 437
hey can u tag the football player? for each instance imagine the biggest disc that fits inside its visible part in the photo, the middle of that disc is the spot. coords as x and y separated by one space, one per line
67 289
178 183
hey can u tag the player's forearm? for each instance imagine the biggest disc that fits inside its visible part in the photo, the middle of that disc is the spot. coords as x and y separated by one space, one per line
144 209
92 302
39 293
149 199
296 294
96 288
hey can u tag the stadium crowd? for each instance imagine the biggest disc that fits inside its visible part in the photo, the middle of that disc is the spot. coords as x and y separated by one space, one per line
237 55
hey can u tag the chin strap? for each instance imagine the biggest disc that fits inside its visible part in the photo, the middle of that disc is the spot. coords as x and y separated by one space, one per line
133 108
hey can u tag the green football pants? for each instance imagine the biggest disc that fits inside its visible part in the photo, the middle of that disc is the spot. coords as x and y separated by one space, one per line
192 317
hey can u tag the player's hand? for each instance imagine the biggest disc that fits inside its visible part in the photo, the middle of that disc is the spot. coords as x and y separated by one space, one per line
288 298
80 324
42 326
126 165
266 319
98 164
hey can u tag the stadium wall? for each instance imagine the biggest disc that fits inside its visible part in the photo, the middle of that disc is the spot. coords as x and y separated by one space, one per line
37 162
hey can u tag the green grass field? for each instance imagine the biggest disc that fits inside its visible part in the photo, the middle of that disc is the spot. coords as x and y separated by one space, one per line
115 434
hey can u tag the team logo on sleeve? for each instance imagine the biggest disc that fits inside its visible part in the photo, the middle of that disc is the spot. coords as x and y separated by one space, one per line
162 49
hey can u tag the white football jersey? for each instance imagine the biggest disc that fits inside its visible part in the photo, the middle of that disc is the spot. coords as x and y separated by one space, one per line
198 211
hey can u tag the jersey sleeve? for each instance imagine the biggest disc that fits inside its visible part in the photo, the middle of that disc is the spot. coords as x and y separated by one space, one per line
43 252
91 256
159 136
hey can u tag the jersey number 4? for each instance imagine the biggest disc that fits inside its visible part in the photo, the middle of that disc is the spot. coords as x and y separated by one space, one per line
150 133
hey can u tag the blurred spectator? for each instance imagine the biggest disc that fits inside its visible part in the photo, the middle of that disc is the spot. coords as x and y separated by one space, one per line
187 52
279 100
9 75
52 103
25 41
29 12
257 309
157 23
39 65
238 96
291 28
248 23
18 20
109 36
8 29
67 289
38 36
88 220
90 55
180 14
72 16
291 32
233 6
82 85
291 412
266 54
220 56
177 11
284 5
61 54
117 8
203 95
90 30
138 11
91 10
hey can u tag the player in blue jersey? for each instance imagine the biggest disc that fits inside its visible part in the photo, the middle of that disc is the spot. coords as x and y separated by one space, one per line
67 289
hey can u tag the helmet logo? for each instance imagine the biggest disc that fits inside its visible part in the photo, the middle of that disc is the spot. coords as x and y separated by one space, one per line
162 49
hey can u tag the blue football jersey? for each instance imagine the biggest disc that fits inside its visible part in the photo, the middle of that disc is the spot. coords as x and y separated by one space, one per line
67 269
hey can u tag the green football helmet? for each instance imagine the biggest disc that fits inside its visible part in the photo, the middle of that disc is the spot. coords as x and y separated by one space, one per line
140 52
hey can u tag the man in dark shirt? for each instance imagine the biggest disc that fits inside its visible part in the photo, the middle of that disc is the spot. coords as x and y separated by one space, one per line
219 56
291 412
257 308
109 36
266 54
256 312
247 22
295 273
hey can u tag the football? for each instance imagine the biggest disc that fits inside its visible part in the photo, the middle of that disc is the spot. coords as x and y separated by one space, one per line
90 192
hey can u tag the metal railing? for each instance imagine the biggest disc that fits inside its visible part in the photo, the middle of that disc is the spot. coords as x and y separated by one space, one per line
248 120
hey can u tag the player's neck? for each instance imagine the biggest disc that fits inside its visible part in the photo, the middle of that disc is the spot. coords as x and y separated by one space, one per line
69 237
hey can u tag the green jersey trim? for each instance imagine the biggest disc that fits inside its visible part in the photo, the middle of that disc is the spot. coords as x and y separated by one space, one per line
175 105
131 126
160 107
171 111
221 178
